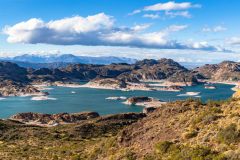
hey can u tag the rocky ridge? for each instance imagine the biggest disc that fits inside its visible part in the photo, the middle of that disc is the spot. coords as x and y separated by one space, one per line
227 71
19 80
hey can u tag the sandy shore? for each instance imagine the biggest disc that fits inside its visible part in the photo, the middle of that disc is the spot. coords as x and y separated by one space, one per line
221 82
235 88
132 87
45 86
26 94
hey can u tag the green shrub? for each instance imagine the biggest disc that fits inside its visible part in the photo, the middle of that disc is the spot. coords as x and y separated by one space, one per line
191 134
149 157
170 151
163 147
129 155
213 103
229 135
76 157
207 116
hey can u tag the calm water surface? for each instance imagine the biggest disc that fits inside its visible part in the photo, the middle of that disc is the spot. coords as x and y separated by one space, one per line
86 99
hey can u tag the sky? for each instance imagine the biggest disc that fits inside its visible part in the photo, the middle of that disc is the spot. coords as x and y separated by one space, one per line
204 31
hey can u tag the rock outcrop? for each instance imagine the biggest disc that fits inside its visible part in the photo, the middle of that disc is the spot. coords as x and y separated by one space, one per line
11 88
38 118
147 102
117 84
135 100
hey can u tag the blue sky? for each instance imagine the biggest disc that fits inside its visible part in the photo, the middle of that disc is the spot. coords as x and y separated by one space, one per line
187 31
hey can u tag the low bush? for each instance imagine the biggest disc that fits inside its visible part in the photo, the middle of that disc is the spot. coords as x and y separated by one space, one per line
229 135
170 151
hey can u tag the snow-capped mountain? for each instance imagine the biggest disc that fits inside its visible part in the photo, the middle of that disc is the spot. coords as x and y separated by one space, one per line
68 58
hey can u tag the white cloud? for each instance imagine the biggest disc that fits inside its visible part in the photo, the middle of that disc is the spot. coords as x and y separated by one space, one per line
169 6
152 16
96 30
234 41
67 30
141 27
176 28
171 9
135 12
185 14
214 29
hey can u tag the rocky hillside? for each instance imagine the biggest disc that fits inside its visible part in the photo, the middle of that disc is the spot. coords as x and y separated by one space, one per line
65 142
175 131
11 88
163 69
148 69
225 71
11 71
14 81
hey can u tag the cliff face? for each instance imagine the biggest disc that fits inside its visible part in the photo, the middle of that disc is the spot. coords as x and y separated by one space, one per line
225 71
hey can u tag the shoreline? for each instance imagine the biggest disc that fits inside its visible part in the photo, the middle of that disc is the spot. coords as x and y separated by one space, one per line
221 82
158 85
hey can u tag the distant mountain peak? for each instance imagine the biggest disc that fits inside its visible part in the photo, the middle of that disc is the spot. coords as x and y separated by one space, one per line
30 60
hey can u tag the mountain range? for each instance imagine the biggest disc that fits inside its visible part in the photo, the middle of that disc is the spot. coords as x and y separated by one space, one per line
57 60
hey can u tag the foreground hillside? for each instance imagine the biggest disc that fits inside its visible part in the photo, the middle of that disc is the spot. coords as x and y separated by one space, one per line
178 130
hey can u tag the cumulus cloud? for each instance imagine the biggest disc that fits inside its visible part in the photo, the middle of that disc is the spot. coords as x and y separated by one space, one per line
96 30
72 30
214 29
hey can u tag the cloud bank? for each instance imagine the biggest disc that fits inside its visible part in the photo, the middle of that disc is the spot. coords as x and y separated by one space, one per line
98 30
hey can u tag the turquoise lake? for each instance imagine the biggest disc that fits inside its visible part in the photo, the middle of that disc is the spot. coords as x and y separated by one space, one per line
86 99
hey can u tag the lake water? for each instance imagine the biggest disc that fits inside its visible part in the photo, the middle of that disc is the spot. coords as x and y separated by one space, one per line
86 99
